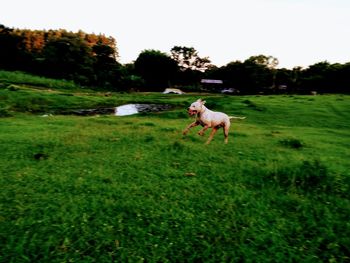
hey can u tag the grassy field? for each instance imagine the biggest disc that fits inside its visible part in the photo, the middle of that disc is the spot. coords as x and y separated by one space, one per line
133 189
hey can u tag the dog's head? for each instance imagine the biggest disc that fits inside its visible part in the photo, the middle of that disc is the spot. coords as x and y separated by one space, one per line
196 107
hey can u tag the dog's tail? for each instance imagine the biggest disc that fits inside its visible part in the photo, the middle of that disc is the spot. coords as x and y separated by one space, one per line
237 118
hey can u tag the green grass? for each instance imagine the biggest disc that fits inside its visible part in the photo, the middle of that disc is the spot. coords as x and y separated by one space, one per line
8 77
133 189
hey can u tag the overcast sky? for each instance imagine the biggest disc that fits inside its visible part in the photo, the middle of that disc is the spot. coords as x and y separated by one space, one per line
296 32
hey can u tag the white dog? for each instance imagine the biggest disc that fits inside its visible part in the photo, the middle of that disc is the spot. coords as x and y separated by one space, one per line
209 119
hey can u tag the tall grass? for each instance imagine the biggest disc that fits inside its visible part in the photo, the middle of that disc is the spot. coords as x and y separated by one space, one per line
39 82
133 189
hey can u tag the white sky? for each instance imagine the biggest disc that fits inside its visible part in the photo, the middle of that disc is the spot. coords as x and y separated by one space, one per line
297 32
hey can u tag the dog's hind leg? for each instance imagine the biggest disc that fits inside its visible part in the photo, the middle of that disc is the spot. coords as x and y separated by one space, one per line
213 131
226 129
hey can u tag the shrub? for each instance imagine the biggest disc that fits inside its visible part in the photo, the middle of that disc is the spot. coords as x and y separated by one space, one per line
253 105
292 143
4 112
307 176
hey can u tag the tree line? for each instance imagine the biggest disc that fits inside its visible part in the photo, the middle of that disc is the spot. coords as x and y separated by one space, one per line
92 60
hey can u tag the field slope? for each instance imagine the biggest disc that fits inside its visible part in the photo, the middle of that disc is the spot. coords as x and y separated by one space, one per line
133 189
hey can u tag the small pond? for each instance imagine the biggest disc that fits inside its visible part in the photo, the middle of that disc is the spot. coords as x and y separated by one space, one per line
123 110
130 109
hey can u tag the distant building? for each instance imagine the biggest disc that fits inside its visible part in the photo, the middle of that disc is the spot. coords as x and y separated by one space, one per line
212 85
212 81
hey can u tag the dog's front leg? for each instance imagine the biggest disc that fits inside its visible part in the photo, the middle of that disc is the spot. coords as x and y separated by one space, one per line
189 127
201 132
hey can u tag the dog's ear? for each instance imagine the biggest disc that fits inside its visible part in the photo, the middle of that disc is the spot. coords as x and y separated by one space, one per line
201 101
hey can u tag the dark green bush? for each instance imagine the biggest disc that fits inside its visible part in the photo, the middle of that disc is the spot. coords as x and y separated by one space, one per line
292 143
4 112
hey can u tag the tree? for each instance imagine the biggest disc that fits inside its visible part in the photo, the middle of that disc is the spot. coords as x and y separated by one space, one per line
267 62
340 76
251 76
156 68
262 72
187 58
10 53
315 77
106 69
88 59
130 81
68 58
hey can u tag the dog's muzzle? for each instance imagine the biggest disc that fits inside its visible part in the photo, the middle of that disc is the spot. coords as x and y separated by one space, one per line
191 112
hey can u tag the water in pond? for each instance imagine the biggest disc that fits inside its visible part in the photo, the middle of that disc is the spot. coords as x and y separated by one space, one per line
127 109
123 110
130 109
